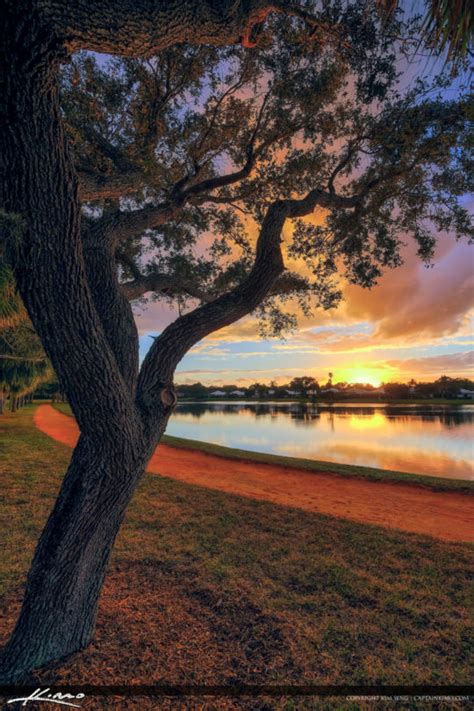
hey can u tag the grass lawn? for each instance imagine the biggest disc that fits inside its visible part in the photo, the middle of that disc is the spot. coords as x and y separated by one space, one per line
208 587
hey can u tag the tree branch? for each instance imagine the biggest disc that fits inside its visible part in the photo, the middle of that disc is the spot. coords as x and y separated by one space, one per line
165 283
143 28
288 283
112 306
122 225
94 186
169 348
317 197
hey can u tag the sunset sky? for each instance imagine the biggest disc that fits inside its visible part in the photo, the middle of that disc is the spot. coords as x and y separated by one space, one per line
417 323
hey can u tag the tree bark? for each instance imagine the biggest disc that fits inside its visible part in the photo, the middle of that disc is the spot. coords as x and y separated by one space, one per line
42 189
112 306
60 605
142 28
81 332
67 572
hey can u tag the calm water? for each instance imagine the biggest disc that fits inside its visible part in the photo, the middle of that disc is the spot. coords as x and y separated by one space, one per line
425 439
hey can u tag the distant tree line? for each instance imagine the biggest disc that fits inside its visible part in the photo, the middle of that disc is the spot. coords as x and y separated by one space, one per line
308 387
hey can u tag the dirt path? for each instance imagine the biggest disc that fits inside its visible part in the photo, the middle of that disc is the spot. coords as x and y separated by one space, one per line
448 516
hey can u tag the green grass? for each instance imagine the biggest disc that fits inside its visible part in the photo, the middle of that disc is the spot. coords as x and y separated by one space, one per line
371 473
359 603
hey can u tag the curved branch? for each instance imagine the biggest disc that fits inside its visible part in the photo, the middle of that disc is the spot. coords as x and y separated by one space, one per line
300 208
169 348
165 283
288 283
124 224
112 307
142 28
94 186
169 284
119 226
182 334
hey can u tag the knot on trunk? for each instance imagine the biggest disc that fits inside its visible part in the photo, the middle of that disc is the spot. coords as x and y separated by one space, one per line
168 397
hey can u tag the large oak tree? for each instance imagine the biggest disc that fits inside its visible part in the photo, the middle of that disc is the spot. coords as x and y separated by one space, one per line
172 173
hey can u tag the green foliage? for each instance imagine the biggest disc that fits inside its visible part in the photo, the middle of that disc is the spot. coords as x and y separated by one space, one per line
12 227
23 363
11 230
221 133
11 309
448 26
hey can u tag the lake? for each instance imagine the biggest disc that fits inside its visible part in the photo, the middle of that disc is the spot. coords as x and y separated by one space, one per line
426 439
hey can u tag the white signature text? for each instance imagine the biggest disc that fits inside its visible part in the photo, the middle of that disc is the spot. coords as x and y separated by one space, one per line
44 695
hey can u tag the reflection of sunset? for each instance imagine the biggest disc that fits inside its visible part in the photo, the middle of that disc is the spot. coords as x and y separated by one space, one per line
376 421
435 441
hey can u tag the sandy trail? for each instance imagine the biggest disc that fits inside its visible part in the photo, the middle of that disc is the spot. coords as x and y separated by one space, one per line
444 515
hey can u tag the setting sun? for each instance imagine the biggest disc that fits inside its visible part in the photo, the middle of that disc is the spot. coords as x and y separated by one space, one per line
361 375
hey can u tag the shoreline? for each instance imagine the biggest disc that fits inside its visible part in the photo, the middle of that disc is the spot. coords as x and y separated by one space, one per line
444 515
432 483
382 402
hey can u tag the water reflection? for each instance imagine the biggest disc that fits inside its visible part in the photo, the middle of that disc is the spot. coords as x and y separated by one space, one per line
427 439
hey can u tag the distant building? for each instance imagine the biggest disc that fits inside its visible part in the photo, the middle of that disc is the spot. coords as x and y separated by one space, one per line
237 393
218 393
331 391
292 392
467 394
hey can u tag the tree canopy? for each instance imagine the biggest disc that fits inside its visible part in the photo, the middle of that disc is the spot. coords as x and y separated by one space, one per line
181 156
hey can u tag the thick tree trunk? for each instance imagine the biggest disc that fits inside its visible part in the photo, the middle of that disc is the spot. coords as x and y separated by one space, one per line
95 365
13 403
63 586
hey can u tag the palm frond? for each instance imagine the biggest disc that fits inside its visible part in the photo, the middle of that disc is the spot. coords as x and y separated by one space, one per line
448 25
